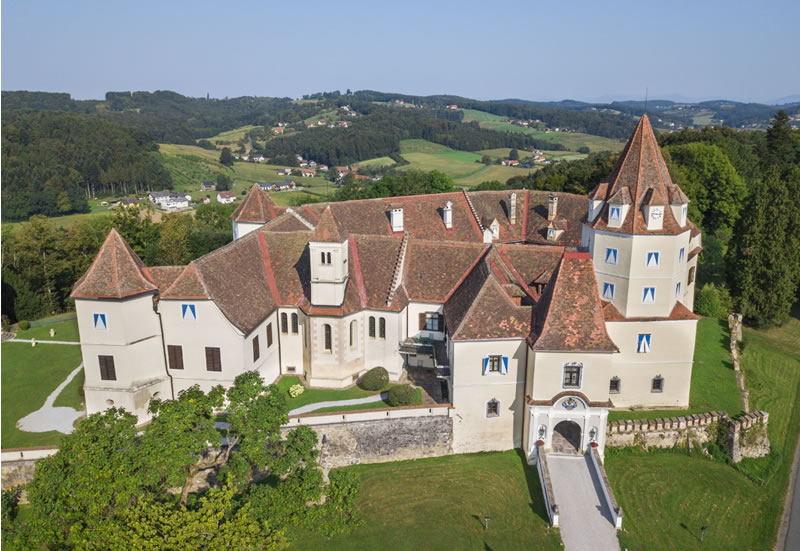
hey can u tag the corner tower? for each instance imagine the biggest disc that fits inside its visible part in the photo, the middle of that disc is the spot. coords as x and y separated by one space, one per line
254 211
642 243
328 256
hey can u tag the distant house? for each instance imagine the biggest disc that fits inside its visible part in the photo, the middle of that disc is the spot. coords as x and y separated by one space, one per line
510 162
452 107
308 173
126 202
208 186
323 168
284 172
205 200
341 171
277 130
344 124
170 201
286 184
267 187
257 157
312 164
362 177
226 197
303 164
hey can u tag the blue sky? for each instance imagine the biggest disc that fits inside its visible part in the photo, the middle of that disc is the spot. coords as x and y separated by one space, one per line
532 50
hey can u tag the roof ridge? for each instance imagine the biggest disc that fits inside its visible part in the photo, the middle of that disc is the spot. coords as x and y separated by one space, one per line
362 291
270 275
466 273
296 214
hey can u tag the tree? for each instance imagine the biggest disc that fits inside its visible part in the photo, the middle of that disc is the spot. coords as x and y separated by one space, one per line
486 160
514 155
173 245
226 157
223 182
781 149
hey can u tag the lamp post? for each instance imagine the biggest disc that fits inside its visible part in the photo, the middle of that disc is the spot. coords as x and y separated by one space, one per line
703 532
486 522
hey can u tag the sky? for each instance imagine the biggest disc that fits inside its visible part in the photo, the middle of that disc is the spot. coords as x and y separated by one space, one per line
590 51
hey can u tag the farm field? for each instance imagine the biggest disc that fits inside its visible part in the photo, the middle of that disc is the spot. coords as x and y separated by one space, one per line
232 136
439 503
667 496
377 162
570 140
480 116
493 172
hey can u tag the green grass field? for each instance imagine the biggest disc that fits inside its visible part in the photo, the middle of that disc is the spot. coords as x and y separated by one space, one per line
421 146
493 172
377 162
480 116
29 375
668 496
65 331
232 136
439 503
713 379
571 140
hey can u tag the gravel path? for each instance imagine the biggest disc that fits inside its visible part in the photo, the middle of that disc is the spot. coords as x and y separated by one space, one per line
47 417
335 403
28 341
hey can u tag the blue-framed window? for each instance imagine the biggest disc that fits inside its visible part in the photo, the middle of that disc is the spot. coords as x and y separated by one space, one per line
551 233
608 291
495 365
611 256
681 254
614 213
653 258
684 210
678 290
100 322
649 295
188 312
643 343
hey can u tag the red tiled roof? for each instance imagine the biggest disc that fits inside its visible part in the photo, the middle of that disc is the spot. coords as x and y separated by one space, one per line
679 313
189 284
572 208
569 315
257 207
433 269
164 276
327 231
116 272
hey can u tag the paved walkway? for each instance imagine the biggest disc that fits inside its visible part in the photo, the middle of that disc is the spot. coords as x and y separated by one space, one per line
47 417
584 518
789 534
336 403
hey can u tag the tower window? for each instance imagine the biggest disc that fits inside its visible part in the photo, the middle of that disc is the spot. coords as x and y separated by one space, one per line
681 254
652 259
678 290
382 328
608 291
327 337
284 323
649 295
256 349
643 343
107 371
100 322
269 335
353 329
572 375
295 324
691 275
372 326
611 256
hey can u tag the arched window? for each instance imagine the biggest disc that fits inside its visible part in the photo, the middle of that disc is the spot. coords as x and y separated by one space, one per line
353 329
323 257
284 323
294 324
372 326
382 328
327 330
329 257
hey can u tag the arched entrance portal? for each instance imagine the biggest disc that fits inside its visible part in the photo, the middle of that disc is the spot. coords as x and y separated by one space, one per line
567 438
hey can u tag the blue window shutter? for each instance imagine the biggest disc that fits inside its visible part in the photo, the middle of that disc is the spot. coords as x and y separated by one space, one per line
485 365
183 310
505 365
192 310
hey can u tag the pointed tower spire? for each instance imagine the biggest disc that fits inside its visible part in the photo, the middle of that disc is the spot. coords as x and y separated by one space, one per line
116 272
327 230
257 207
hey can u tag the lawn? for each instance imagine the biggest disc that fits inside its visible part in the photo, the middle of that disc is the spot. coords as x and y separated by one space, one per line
439 503
453 167
713 379
29 375
667 496
314 395
66 330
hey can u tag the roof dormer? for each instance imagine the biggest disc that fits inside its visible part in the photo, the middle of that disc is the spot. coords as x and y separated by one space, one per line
596 200
494 227
653 211
679 203
618 206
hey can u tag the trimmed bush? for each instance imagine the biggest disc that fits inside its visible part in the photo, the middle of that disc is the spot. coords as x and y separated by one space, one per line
296 390
401 395
24 324
707 302
374 379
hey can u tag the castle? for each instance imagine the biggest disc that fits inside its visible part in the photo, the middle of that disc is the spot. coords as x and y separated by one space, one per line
540 311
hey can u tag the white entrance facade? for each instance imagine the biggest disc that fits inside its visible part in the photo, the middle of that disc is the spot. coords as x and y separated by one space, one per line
591 420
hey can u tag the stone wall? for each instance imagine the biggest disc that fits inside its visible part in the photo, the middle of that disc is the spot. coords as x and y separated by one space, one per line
385 440
747 436
664 432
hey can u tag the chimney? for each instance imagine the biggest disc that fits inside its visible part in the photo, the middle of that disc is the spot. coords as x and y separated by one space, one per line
447 215
396 215
552 207
512 209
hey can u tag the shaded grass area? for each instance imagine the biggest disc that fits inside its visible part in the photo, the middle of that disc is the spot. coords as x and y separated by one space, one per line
29 375
373 405
713 379
72 396
439 503
313 395
65 331
667 496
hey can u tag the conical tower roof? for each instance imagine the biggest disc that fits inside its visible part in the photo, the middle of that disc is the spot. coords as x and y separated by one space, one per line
116 272
257 207
327 230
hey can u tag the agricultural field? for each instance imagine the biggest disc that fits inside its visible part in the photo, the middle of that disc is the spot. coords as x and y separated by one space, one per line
667 496
232 136
480 116
377 162
440 503
570 140
493 172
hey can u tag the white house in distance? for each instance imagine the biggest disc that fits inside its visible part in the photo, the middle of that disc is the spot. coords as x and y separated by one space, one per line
540 312
169 200
226 197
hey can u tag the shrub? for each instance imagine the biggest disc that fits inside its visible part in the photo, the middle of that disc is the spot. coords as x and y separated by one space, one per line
24 324
374 379
296 390
707 302
401 395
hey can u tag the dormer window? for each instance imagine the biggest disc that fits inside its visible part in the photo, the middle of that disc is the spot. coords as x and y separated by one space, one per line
326 258
551 233
611 256
614 213
608 291
652 259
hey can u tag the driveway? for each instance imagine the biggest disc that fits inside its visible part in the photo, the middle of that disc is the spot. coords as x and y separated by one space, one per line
48 417
584 518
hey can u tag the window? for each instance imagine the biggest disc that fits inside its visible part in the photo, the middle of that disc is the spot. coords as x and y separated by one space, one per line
614 214
107 371
269 335
213 359
643 343
657 385
326 329
691 276
492 408
188 312
681 254
382 328
295 324
430 321
256 348
284 323
649 295
372 326
326 258
352 333
100 322
608 291
495 365
551 233
684 211
611 256
572 375
678 290
175 356
614 385
652 259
